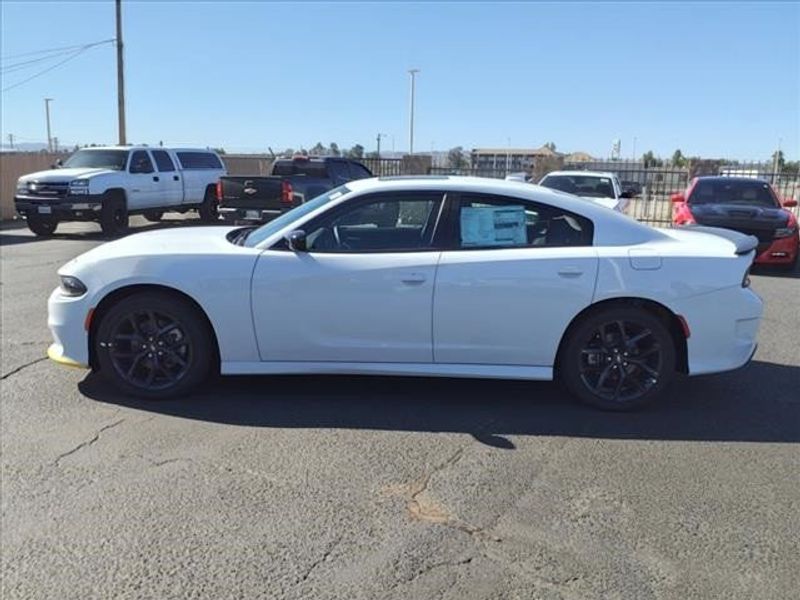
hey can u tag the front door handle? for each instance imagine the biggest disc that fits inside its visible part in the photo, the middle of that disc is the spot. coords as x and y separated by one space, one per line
414 278
176 178
155 178
570 272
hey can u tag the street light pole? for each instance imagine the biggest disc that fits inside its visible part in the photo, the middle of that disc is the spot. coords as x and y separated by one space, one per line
120 79
378 138
47 102
413 73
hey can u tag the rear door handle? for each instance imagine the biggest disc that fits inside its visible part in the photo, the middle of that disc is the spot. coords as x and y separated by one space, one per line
570 272
414 278
155 178
176 178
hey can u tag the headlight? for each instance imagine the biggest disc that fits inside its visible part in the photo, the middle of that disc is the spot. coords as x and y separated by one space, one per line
785 232
22 187
72 286
79 186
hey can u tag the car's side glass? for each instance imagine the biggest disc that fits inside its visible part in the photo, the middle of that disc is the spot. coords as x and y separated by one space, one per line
163 161
385 223
501 222
141 163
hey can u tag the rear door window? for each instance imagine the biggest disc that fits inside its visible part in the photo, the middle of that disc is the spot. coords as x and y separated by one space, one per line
199 160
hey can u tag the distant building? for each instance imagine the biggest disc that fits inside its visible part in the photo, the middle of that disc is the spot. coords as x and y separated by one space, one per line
510 159
579 157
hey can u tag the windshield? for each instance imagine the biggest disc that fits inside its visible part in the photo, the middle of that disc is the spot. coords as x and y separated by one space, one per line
732 192
581 185
98 159
274 226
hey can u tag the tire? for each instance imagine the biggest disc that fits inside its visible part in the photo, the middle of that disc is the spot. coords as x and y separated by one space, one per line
127 346
626 367
42 227
154 216
209 210
114 215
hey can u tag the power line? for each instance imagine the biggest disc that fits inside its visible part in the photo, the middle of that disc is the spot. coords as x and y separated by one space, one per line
50 50
74 54
26 63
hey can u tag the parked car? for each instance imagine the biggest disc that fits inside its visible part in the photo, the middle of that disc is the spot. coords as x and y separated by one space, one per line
634 188
431 276
601 188
747 205
107 184
252 199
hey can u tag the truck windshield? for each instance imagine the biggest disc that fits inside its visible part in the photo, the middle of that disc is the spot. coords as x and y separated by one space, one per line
98 159
581 185
286 219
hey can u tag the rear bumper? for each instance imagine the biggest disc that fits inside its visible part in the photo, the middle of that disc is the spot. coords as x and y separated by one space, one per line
248 215
780 252
78 208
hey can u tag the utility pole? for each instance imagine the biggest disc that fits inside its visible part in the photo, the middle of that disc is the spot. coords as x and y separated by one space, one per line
55 144
47 102
413 73
634 149
120 78
378 138
11 140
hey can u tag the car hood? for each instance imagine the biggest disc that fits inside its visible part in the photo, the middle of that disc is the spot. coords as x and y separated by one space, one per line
756 217
178 241
53 175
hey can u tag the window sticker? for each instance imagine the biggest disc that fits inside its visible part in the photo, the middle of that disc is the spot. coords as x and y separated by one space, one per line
493 226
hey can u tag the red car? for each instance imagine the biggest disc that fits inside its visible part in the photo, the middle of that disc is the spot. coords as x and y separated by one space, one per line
747 205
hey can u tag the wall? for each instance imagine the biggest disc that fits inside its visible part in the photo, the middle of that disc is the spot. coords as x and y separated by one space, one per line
15 164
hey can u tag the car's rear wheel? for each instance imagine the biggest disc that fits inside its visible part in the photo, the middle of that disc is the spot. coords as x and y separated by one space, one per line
618 358
209 210
154 216
42 227
154 345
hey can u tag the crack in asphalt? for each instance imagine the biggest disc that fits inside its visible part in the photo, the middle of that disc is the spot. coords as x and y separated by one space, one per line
88 442
20 368
320 560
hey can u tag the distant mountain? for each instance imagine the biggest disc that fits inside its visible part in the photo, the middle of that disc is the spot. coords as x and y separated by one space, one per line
23 147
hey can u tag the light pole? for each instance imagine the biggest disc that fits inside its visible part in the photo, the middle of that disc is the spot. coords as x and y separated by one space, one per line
634 149
47 102
378 138
413 73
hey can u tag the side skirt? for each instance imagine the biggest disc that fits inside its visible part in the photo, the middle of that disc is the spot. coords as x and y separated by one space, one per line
403 369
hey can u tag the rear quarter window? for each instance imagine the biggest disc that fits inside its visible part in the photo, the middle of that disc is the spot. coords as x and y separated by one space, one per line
199 160
287 168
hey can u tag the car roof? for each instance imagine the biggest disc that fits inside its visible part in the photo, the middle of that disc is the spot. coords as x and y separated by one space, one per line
583 173
733 179
143 147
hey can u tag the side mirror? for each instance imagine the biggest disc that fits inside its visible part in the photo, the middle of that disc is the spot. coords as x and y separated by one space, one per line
677 198
297 241
57 165
790 203
627 194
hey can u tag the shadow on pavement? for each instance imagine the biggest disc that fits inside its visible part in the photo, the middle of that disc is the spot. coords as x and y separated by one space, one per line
776 272
760 403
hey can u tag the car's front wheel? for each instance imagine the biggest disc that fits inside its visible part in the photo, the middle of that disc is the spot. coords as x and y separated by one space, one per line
154 345
618 358
42 227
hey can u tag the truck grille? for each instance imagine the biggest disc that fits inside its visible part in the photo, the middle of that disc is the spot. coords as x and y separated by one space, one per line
51 189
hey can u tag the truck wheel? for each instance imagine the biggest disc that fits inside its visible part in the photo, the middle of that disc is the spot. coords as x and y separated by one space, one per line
154 216
208 210
42 227
114 215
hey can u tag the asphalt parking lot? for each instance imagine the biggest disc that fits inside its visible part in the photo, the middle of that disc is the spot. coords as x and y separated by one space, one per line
334 487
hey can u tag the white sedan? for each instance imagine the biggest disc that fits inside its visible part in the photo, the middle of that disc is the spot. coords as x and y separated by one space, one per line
431 276
602 188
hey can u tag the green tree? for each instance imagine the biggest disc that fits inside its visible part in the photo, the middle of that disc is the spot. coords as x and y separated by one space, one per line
649 159
220 150
456 158
550 146
318 150
678 159
778 159
334 149
356 152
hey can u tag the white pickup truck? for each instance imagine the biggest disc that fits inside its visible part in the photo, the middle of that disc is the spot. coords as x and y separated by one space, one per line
107 184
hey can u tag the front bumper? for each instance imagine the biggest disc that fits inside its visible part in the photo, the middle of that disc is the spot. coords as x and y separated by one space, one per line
85 207
66 319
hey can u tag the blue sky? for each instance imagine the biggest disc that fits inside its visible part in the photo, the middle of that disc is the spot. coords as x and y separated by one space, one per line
714 79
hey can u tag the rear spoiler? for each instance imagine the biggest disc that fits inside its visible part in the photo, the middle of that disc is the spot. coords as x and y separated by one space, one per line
744 243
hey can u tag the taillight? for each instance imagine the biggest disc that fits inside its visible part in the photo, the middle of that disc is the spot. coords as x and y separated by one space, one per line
219 191
746 278
286 193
